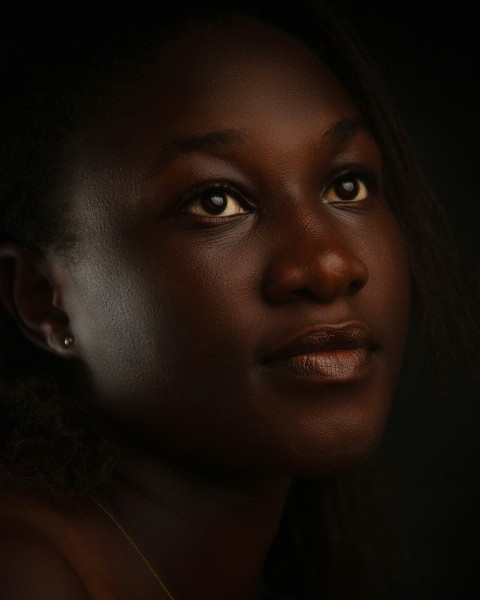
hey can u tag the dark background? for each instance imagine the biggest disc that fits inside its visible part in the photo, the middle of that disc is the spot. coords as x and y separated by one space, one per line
428 57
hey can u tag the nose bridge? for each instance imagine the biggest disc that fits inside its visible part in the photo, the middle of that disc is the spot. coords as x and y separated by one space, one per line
313 257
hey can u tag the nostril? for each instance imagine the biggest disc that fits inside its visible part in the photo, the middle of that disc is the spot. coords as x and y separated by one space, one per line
355 286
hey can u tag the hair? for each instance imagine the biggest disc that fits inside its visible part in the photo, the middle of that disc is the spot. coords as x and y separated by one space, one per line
51 440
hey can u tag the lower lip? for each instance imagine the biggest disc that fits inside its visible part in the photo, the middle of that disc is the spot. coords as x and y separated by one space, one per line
335 366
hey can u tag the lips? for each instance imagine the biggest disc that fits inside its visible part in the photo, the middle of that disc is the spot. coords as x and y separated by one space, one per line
326 338
324 355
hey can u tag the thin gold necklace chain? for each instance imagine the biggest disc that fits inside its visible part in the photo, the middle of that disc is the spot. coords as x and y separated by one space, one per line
135 546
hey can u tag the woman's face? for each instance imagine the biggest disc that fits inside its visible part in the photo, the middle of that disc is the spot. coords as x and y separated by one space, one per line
198 259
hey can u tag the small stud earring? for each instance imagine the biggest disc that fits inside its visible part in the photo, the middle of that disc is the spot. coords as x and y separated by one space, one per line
68 341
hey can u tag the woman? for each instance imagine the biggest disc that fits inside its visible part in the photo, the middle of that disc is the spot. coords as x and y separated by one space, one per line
211 233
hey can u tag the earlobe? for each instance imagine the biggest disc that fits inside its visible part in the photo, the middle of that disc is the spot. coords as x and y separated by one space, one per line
27 294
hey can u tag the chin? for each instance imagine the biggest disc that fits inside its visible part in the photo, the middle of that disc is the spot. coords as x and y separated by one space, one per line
351 457
352 449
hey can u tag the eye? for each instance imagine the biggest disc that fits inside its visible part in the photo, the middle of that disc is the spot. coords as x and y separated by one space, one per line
214 202
348 188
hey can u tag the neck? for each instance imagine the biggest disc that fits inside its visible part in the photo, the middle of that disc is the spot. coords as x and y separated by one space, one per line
207 535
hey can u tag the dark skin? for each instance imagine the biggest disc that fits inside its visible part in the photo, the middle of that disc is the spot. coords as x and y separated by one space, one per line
174 311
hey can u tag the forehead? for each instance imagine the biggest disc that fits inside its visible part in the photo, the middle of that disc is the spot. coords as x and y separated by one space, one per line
223 76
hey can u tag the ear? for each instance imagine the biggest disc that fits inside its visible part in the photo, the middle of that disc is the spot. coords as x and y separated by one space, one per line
29 295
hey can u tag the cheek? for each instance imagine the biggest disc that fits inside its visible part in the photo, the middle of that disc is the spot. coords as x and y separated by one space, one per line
388 290
394 270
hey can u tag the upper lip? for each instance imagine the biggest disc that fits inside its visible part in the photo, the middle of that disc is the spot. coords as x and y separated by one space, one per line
322 338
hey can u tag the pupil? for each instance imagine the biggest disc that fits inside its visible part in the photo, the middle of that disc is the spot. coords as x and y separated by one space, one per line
214 203
348 188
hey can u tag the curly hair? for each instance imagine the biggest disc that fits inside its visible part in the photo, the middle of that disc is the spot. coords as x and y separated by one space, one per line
58 68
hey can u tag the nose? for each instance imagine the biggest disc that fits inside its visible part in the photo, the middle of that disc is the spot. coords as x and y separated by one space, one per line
316 263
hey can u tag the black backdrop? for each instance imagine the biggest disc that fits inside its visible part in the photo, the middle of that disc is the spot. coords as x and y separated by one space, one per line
428 56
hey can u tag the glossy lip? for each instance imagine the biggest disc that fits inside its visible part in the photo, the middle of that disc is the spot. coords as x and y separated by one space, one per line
326 354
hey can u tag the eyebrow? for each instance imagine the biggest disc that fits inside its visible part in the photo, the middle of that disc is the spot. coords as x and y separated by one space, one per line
345 130
341 132
185 144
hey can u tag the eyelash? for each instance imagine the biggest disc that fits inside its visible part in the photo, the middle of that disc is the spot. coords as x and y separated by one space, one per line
355 173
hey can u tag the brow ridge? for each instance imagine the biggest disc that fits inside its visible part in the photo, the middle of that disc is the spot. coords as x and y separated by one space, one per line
185 144
345 130
341 132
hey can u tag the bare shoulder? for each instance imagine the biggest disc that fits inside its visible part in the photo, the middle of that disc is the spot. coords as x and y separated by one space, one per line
32 568
66 549
32 565
61 549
